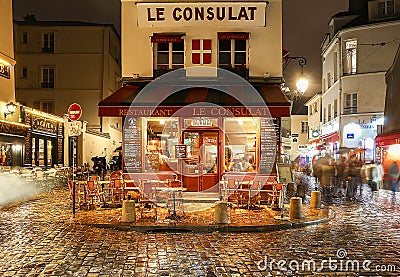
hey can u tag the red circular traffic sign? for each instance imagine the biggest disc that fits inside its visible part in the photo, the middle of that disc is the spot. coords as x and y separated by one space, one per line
74 111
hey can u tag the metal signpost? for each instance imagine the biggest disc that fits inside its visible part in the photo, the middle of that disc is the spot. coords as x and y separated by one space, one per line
74 130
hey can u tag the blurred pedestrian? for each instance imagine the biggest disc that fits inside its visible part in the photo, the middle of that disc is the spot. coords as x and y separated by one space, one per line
354 173
341 176
376 177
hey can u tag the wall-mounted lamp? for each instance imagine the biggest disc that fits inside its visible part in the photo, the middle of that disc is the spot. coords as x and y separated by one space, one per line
302 82
10 109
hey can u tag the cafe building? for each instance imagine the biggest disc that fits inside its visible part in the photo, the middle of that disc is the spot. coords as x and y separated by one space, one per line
201 90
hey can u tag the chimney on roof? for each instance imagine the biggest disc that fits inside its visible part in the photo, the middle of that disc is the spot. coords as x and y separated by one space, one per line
29 18
358 6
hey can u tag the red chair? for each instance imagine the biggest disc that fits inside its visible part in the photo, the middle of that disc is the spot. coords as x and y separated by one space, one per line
92 192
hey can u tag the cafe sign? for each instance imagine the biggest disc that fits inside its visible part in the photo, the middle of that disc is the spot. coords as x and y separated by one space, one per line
44 125
201 14
5 70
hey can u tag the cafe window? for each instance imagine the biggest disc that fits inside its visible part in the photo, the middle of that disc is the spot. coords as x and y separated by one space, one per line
161 140
169 55
49 157
41 152
47 77
33 151
241 144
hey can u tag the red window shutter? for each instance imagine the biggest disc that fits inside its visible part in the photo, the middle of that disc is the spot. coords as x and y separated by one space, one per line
195 58
206 58
195 44
207 44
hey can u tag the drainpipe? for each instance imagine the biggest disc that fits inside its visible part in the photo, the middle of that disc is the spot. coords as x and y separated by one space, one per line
340 90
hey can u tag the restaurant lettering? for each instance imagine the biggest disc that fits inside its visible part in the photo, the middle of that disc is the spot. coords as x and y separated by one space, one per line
196 111
191 14
42 124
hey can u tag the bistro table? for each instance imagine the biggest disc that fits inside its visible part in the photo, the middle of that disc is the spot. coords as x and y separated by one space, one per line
173 191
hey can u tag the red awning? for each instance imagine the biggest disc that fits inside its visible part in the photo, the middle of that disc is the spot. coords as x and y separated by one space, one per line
120 102
387 139
332 137
233 35
166 38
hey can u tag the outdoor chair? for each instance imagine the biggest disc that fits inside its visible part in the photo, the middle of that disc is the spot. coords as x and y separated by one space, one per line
93 193
146 204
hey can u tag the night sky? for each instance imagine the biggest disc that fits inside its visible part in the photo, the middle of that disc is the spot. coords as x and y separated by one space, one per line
305 23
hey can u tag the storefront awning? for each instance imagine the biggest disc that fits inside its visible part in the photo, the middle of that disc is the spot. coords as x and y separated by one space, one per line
387 139
120 102
325 139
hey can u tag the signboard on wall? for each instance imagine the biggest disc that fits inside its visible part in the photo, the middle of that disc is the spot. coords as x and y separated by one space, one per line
268 142
201 14
132 140
180 151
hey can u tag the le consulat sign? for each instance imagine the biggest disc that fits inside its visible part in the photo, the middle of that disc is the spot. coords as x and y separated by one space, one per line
201 13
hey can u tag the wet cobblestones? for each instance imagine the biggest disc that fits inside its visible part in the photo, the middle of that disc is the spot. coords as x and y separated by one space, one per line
39 238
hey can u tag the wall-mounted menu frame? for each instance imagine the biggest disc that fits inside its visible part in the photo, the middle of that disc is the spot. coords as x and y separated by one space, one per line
284 172
132 149
268 140
180 151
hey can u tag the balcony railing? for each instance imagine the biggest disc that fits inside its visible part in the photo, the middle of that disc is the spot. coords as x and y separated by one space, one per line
350 110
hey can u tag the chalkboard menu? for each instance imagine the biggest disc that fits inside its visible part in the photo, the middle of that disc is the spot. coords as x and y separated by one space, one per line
132 145
268 145
180 151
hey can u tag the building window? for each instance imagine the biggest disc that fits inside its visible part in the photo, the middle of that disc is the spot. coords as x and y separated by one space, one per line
351 57
48 43
169 55
385 8
329 112
232 53
304 126
201 51
324 115
47 77
350 105
315 105
44 106
24 72
335 108
329 79
25 38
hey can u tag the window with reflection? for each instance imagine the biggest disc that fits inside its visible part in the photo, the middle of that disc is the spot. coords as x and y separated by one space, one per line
241 153
161 138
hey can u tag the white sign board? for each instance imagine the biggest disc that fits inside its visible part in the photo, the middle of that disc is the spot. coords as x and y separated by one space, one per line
74 128
239 14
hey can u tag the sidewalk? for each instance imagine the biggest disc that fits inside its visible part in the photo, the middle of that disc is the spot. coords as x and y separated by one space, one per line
240 220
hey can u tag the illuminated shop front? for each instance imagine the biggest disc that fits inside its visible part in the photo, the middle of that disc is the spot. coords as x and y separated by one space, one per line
198 142
12 142
45 139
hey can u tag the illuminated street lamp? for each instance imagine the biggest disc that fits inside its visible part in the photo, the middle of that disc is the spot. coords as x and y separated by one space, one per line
302 82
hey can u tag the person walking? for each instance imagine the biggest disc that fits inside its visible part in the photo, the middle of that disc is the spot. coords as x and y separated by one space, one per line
354 173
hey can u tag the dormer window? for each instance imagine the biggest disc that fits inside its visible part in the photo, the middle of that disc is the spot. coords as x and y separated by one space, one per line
385 8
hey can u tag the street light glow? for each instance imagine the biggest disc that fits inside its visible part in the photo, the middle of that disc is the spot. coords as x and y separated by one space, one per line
302 85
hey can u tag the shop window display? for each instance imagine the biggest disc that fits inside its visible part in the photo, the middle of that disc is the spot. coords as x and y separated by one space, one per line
161 136
241 144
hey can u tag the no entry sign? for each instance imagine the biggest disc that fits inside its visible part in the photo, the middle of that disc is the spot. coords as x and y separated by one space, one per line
74 111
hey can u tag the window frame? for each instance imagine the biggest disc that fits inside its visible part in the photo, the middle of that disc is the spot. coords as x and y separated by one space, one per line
232 52
350 103
350 56
48 42
40 105
387 9
43 82
171 65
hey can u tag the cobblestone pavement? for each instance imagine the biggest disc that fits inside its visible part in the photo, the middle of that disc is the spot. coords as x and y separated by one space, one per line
39 238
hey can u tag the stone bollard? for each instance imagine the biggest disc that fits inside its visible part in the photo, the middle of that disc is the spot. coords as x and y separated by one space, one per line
315 202
221 212
128 211
296 209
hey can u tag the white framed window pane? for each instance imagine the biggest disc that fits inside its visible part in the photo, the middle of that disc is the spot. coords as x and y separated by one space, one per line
240 45
225 58
177 58
224 45
240 58
162 58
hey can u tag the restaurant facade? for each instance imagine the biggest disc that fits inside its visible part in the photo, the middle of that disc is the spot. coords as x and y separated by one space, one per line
199 102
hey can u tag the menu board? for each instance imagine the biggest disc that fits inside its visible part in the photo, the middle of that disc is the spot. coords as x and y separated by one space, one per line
132 149
180 151
284 173
268 145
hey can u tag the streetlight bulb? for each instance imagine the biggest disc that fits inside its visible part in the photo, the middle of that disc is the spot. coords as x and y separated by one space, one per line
302 85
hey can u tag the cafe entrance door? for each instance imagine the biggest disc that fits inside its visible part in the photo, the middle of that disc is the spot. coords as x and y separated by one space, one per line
201 167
